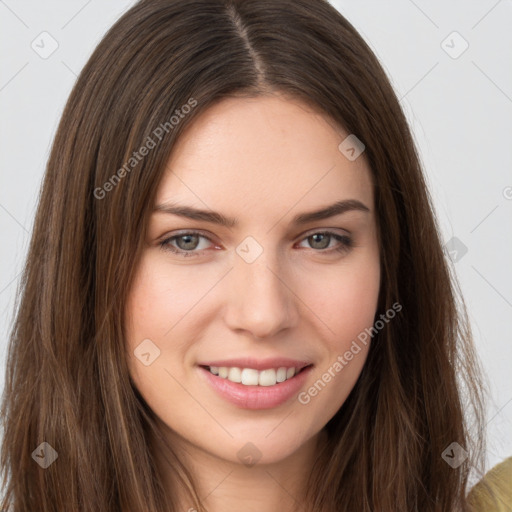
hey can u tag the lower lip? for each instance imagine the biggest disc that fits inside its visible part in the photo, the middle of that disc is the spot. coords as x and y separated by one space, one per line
256 397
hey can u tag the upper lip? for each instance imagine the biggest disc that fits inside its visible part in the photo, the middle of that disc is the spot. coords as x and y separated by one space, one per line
259 364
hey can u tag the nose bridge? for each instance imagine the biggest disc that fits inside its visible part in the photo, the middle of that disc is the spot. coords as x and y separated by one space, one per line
261 301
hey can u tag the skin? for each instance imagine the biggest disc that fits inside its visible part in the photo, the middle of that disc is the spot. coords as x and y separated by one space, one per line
262 160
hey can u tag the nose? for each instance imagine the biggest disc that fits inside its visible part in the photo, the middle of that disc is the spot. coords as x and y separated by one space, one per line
261 301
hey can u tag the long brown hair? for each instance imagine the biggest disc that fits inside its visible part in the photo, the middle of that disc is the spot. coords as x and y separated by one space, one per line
67 381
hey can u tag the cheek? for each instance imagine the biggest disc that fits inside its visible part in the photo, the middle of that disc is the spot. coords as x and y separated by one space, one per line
162 296
156 305
346 303
346 299
156 310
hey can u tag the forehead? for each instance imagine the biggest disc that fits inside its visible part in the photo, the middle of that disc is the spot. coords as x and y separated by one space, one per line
263 156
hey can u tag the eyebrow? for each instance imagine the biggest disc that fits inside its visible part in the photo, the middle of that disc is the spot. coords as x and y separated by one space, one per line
303 218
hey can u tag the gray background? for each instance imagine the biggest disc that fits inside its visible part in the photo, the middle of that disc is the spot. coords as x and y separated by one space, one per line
459 105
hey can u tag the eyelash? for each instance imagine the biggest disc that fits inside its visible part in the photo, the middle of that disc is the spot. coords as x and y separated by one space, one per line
346 243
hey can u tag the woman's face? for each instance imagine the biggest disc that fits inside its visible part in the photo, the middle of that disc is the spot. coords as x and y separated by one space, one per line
261 296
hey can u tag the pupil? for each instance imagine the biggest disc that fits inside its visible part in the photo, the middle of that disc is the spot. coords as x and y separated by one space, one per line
189 239
326 238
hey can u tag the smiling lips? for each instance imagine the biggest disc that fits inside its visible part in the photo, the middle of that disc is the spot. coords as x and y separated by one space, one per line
254 384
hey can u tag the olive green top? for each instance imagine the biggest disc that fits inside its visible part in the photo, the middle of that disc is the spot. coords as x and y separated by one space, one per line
494 491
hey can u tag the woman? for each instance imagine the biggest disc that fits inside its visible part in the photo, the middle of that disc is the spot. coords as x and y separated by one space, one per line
182 342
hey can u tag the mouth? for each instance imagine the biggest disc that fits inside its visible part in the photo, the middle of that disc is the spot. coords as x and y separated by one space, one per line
249 388
253 377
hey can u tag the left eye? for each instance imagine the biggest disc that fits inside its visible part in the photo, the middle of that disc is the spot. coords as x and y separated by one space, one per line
188 242
323 239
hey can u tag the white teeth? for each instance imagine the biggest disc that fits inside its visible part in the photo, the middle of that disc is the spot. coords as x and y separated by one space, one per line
251 377
281 374
290 373
267 378
235 375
